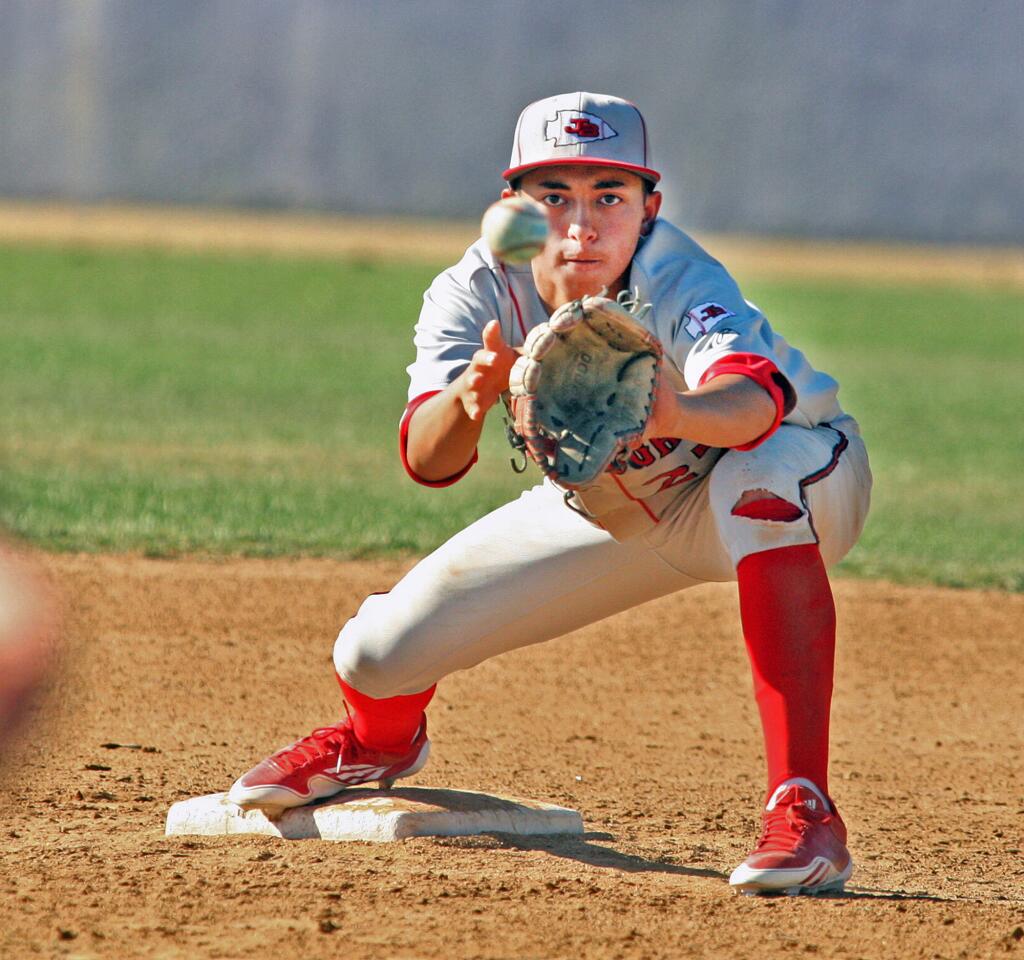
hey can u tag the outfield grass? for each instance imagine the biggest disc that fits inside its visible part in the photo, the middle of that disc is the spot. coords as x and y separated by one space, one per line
171 403
934 375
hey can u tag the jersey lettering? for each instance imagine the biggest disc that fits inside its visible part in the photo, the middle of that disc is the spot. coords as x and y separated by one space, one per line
672 478
665 445
644 456
641 457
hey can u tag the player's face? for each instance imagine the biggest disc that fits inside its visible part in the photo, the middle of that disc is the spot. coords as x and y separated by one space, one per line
596 216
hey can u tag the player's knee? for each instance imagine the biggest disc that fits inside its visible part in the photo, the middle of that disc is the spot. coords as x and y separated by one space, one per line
369 654
361 664
751 485
762 504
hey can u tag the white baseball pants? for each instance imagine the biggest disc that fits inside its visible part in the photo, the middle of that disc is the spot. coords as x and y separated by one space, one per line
534 569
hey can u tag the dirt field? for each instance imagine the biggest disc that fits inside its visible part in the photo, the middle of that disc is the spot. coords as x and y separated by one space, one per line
176 676
197 669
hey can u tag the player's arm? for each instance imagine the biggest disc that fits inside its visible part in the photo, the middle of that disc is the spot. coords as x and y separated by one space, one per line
444 431
731 410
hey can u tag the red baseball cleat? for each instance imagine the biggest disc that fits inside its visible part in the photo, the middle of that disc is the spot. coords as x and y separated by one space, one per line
320 765
802 848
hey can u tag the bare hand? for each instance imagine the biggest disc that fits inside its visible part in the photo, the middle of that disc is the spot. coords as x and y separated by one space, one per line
487 375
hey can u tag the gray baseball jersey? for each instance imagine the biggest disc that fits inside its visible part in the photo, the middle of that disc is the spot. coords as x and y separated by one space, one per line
699 315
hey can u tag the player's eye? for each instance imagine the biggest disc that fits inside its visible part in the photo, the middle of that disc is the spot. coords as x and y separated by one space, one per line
553 199
609 200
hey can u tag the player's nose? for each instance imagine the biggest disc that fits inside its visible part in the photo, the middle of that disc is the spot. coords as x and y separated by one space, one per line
581 225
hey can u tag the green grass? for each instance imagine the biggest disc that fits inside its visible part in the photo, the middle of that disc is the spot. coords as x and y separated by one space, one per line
934 375
170 403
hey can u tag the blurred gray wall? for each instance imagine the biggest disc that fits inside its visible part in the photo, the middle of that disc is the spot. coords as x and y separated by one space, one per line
895 119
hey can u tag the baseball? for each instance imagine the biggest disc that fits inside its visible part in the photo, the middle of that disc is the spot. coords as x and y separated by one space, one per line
515 228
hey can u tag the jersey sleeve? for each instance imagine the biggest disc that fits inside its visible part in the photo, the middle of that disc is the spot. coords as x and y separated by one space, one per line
718 332
748 346
456 308
709 328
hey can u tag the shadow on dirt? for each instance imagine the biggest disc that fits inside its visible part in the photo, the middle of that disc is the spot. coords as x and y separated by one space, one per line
583 849
867 893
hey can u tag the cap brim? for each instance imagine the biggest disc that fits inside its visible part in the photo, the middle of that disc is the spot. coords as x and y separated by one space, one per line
644 172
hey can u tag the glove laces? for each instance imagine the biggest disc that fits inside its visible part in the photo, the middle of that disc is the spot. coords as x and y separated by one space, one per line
630 301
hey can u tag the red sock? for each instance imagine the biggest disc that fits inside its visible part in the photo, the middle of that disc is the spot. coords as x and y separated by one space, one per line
789 623
389 724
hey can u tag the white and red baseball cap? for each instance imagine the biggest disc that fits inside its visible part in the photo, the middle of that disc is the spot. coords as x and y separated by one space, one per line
583 128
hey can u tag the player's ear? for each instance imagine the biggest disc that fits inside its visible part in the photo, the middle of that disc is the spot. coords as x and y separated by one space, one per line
652 204
507 192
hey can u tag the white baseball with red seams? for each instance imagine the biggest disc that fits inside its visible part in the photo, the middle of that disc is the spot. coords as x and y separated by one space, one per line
515 229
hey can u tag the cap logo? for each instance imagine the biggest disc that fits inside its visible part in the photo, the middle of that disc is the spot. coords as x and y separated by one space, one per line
582 127
576 126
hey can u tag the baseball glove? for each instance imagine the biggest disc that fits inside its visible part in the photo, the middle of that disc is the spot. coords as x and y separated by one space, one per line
583 390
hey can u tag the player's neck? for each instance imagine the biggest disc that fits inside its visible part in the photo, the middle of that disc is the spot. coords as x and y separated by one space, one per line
553 294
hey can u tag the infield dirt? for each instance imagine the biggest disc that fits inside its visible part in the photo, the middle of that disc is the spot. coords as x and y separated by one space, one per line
176 675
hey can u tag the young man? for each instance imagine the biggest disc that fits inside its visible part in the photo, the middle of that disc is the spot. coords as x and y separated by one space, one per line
749 471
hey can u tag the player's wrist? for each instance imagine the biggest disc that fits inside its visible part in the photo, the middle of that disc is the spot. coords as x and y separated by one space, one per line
668 418
466 399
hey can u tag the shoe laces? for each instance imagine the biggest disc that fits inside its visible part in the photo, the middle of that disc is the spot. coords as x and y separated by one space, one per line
783 827
322 742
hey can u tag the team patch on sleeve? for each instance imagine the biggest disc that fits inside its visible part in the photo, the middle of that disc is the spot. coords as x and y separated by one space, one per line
705 317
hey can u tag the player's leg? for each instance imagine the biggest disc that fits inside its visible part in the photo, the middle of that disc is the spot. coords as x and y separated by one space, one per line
530 571
784 509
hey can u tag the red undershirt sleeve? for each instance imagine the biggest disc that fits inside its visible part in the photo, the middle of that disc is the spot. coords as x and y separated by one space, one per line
766 375
403 445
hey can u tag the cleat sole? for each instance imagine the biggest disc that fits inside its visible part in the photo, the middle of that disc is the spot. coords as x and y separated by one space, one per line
761 888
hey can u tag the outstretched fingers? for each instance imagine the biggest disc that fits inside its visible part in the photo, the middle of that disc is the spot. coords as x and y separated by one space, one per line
487 375
492 337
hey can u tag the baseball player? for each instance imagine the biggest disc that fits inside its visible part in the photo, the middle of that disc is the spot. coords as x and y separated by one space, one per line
748 470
